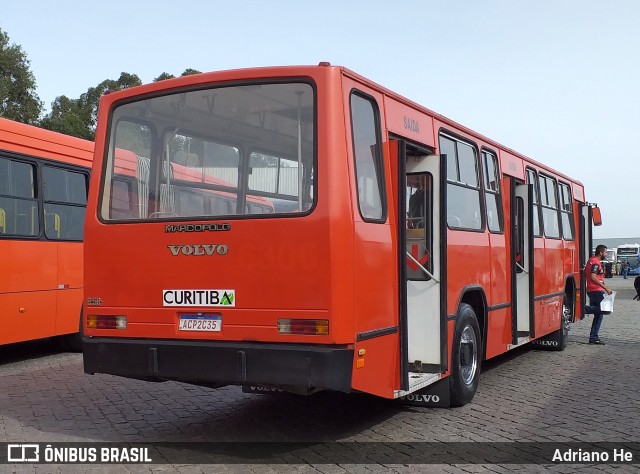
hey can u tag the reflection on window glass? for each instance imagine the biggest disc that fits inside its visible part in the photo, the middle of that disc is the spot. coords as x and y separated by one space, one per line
65 195
417 193
19 208
274 175
531 179
367 156
566 211
223 151
448 147
64 185
17 179
419 229
467 165
493 197
464 209
549 204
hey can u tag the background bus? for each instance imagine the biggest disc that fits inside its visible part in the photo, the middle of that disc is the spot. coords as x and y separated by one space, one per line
43 190
401 251
630 254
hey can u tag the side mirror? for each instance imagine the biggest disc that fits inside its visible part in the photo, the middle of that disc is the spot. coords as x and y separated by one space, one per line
597 217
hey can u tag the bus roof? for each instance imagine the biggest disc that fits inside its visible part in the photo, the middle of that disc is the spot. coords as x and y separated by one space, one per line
455 124
308 70
34 141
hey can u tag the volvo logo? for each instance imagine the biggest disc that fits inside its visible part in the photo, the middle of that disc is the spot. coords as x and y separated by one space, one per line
198 249
540 342
422 398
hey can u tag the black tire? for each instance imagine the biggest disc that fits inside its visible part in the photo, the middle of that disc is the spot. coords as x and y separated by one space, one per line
465 358
74 341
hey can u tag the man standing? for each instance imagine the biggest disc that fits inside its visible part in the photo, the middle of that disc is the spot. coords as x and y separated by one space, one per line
595 290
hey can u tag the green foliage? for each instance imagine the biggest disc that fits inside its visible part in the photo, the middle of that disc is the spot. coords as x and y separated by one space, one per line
134 137
163 76
78 117
189 72
18 98
67 117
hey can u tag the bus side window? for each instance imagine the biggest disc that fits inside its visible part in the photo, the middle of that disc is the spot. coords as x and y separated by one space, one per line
419 232
415 202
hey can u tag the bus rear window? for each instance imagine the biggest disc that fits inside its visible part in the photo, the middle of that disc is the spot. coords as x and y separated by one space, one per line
219 152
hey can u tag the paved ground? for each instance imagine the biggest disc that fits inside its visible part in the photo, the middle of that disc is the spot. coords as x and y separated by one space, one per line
586 393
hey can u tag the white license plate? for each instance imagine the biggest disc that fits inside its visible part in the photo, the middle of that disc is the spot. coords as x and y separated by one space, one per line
200 322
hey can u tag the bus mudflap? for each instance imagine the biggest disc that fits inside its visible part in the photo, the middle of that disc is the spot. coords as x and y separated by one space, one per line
434 395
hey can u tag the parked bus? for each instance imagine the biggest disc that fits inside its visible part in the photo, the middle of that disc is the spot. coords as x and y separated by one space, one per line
406 250
630 254
43 196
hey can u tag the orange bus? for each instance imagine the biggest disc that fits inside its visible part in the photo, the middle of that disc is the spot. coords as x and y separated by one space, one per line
44 178
400 250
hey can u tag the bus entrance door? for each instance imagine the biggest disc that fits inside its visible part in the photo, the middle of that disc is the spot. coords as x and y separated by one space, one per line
586 244
423 309
522 262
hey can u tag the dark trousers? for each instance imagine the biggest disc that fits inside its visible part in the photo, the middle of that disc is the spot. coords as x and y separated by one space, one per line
595 297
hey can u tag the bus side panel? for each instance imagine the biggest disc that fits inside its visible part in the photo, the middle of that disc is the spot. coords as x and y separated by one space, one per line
468 256
29 290
69 305
30 267
499 332
70 262
374 371
554 276
27 316
499 328
375 278
499 321
540 281
69 299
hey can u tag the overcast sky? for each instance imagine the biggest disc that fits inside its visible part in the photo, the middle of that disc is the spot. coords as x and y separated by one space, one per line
557 80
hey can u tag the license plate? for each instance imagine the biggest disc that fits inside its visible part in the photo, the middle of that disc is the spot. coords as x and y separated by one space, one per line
200 322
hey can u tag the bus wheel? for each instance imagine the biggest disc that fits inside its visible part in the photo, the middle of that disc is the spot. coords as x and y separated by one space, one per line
467 351
565 324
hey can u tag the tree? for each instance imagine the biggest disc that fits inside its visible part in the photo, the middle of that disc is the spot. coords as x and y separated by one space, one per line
18 98
67 117
163 76
78 117
166 75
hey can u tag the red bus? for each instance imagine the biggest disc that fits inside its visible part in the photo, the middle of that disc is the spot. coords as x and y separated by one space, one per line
401 249
44 178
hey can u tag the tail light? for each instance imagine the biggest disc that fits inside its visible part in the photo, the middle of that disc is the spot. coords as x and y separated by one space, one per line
106 322
307 327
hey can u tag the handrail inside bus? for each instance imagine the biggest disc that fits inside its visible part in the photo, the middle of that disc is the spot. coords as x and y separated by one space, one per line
422 268
521 268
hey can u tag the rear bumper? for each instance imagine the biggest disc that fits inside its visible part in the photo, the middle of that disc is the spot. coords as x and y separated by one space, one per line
235 363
